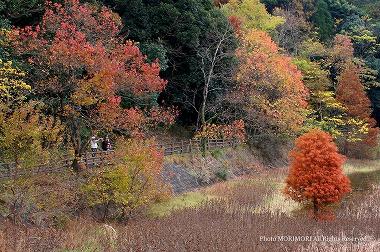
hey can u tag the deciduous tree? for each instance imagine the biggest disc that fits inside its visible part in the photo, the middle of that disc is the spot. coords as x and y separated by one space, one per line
187 31
270 95
80 67
253 14
26 135
217 54
27 139
293 31
316 175
350 92
12 86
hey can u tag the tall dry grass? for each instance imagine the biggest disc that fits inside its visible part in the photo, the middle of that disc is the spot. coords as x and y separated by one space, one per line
219 225
228 222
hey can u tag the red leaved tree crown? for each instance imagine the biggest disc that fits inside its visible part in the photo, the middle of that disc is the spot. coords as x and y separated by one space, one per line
316 175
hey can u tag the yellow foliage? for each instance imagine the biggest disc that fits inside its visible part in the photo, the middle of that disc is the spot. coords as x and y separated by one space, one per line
253 14
133 182
12 87
26 136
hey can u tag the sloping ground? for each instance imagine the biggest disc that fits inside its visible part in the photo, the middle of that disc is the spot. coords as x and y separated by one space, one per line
180 178
190 171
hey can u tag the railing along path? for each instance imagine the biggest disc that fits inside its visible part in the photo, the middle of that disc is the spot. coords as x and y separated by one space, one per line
93 159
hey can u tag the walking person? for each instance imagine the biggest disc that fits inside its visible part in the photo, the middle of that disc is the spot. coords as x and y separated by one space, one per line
106 144
94 145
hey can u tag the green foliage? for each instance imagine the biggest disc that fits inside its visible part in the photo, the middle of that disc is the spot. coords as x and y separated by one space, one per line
339 127
325 111
314 77
186 200
111 188
271 4
21 12
222 174
341 9
362 35
252 14
368 75
175 32
370 7
217 153
155 51
323 20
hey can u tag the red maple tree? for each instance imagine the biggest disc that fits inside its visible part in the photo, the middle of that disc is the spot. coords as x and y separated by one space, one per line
80 67
316 174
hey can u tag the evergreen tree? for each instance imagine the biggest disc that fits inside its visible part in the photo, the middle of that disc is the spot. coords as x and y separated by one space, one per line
177 32
323 20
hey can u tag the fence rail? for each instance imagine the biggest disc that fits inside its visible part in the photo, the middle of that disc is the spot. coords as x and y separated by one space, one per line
197 146
93 159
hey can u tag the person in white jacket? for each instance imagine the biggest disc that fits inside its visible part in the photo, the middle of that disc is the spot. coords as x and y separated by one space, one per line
94 143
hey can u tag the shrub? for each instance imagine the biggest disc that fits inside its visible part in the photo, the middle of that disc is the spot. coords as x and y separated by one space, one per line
41 199
131 183
222 174
27 139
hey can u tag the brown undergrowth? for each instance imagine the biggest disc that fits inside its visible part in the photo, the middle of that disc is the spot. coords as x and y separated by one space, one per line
228 221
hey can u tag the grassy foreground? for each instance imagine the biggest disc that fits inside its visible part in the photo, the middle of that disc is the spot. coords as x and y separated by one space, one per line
249 214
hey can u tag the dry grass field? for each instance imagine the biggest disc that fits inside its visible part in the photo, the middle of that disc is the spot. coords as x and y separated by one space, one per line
247 214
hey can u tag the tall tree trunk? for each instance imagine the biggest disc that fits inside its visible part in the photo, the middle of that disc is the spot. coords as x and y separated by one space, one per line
207 76
202 111
77 145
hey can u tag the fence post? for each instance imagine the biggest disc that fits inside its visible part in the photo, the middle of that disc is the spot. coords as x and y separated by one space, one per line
190 148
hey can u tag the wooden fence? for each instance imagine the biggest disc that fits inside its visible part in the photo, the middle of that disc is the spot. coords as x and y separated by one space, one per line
9 170
89 159
197 146
93 159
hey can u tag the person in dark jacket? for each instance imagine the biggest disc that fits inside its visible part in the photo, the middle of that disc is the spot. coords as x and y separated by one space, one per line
106 144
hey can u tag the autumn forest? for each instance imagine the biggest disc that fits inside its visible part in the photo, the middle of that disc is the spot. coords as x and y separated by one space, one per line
189 125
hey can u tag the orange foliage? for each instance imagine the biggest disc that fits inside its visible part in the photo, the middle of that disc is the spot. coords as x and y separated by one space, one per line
270 93
79 60
316 174
110 115
343 48
350 92
234 130
236 23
